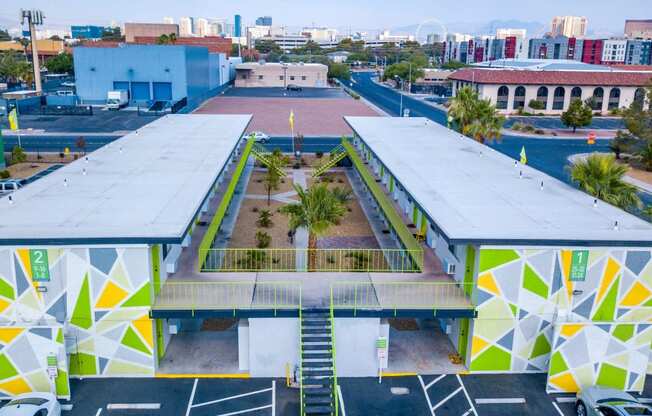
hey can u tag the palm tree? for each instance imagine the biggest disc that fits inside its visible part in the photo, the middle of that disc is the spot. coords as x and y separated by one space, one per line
646 156
463 107
487 125
599 175
318 209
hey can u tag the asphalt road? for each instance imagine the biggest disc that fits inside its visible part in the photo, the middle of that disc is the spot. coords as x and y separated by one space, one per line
263 92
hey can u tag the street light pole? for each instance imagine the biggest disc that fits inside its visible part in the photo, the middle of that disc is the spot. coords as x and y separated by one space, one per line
34 17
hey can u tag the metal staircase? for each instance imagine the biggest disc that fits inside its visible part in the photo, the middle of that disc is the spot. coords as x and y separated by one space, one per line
336 155
262 154
318 376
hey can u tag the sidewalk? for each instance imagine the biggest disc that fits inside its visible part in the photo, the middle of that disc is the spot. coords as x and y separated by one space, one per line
567 134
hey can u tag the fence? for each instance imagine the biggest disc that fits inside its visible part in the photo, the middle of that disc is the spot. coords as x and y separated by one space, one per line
313 260
400 295
229 295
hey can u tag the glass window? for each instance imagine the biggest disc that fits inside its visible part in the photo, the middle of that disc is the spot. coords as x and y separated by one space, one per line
501 101
519 97
280 77
303 78
260 77
34 401
291 77
558 98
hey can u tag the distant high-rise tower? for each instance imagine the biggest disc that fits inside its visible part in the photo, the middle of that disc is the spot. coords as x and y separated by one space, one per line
569 26
168 20
264 21
237 26
185 26
202 27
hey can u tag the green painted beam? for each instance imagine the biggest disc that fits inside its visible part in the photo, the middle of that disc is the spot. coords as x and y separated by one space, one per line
215 224
385 204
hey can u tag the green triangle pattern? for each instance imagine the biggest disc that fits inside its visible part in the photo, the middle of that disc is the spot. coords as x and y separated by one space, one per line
541 347
6 289
59 336
7 369
139 299
132 340
624 332
81 315
607 308
492 359
490 258
534 283
514 309
557 364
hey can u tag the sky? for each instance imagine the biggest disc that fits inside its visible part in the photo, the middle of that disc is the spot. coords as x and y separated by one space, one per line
357 14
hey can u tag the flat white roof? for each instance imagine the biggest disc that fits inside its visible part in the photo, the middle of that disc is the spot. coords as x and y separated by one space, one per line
145 187
474 193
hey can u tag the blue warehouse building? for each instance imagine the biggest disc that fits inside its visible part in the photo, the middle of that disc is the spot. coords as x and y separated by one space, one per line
87 32
148 72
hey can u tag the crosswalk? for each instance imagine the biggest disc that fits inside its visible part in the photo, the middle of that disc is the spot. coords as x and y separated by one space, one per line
446 394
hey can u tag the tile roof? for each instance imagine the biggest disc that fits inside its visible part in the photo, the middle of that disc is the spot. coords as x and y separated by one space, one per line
525 77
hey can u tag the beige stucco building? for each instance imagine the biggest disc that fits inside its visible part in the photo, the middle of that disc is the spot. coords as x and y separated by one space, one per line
133 30
254 74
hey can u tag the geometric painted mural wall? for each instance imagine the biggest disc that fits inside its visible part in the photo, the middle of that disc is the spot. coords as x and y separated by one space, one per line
586 354
23 360
524 294
103 294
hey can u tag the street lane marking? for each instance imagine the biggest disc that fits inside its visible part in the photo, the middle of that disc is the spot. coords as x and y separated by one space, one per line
339 394
466 393
435 380
565 399
645 400
192 397
239 412
513 400
233 397
133 406
558 409
447 398
98 412
66 407
273 397
423 386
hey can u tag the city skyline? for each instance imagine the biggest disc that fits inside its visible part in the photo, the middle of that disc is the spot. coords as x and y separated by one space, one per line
601 15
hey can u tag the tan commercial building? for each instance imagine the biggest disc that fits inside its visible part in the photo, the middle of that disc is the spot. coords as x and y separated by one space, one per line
132 30
253 74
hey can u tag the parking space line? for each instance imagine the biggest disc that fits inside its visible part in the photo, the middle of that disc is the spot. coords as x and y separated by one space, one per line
435 380
513 400
466 393
251 393
192 397
558 409
98 412
447 398
239 412
133 406
425 392
565 399
339 394
273 397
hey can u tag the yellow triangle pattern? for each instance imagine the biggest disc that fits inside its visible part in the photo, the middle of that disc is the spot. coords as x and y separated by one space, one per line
477 345
8 334
565 382
111 296
568 330
23 254
16 386
144 327
487 282
607 278
637 294
4 305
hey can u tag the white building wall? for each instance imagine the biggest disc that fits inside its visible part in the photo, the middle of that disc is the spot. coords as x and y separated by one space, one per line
355 343
273 343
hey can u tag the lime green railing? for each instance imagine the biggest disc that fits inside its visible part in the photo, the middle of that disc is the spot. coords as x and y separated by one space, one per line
386 206
401 295
301 360
334 356
336 155
214 226
220 295
324 260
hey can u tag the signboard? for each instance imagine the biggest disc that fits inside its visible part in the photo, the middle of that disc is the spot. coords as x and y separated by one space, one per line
38 259
381 347
53 368
579 262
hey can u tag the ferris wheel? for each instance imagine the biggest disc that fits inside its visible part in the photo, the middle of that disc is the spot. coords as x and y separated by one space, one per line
428 27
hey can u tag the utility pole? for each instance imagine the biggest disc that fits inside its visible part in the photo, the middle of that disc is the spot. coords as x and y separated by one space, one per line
34 17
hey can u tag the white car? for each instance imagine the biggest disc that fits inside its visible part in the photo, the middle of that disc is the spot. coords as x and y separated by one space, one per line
259 136
32 404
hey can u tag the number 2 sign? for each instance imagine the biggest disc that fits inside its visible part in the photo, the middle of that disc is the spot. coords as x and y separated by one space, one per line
40 266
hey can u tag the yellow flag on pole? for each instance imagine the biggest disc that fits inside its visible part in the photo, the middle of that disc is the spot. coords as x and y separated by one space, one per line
523 156
13 120
291 120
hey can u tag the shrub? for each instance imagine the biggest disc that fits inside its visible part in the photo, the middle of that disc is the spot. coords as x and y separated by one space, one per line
253 260
360 259
528 128
319 155
18 155
517 126
263 240
5 174
536 105
539 131
254 209
265 219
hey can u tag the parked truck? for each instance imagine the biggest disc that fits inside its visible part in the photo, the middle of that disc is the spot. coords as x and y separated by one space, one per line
115 100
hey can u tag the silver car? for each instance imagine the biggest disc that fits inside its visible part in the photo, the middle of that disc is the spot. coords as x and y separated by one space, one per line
32 404
603 401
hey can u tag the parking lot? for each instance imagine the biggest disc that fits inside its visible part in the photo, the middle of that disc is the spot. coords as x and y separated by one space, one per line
422 395
102 121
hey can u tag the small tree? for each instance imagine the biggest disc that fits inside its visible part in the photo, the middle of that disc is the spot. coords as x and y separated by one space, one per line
578 114
265 219
263 240
536 105
646 156
18 155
